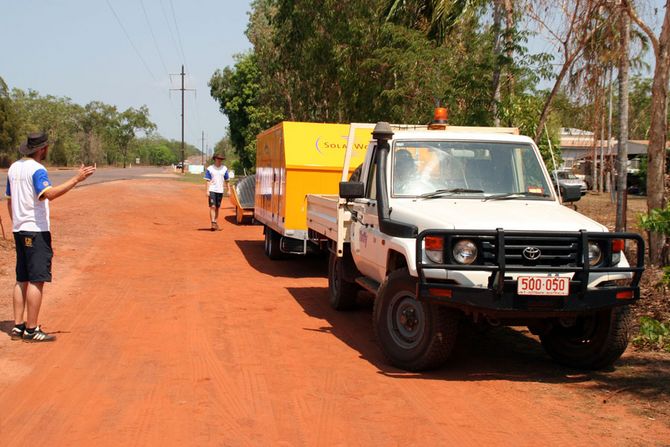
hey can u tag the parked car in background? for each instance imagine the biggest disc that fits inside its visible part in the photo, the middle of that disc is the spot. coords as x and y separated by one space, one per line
568 178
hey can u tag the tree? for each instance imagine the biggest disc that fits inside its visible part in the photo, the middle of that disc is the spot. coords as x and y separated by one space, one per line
578 21
9 126
434 17
622 153
237 89
656 152
94 119
126 125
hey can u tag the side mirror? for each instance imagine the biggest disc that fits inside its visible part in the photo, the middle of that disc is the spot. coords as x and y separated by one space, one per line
352 190
570 193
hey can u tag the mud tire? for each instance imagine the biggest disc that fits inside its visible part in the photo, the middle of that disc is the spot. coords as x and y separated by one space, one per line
595 342
413 335
342 293
271 245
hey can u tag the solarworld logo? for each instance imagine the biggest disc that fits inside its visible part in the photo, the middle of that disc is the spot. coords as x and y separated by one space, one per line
325 145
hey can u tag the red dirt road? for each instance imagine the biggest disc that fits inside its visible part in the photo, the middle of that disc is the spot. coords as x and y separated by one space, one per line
171 335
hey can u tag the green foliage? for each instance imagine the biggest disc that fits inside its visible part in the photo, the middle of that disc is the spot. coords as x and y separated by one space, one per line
124 127
653 334
9 126
657 220
522 111
94 133
388 61
237 91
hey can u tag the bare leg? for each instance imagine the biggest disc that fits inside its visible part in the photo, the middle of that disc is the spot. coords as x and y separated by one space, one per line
216 214
19 302
34 299
213 213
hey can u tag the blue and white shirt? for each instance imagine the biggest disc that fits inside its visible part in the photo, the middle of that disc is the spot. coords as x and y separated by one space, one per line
26 182
217 178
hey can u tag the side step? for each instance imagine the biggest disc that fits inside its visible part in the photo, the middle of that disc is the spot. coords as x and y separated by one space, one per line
368 284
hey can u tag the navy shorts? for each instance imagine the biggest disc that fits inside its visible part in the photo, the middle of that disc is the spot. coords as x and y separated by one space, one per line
33 256
215 199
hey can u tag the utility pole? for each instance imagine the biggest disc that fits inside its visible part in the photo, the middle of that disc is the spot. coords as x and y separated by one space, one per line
182 74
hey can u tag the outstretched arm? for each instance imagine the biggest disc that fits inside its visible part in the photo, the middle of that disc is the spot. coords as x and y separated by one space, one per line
57 191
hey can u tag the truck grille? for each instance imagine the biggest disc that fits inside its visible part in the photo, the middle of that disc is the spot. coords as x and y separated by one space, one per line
557 251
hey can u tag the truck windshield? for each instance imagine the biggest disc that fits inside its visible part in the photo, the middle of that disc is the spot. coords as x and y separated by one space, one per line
467 169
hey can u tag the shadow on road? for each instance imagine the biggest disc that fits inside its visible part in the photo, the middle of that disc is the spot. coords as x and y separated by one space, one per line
503 353
6 326
292 266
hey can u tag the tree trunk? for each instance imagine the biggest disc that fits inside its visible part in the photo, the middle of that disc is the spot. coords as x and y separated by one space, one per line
550 99
622 154
656 197
497 51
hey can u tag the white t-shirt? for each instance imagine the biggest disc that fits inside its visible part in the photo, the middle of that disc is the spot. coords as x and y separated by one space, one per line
217 178
26 182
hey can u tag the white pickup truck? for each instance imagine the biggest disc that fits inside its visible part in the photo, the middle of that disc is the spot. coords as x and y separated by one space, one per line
456 224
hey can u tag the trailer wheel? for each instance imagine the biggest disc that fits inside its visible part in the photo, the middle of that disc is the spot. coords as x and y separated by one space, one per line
342 293
272 244
413 335
594 342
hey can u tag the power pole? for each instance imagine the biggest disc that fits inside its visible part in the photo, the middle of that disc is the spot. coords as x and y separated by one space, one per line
182 74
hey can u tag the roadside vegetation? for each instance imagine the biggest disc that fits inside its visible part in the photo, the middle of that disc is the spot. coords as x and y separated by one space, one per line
92 133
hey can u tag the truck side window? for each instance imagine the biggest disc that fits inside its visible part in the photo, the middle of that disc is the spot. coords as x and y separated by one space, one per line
356 175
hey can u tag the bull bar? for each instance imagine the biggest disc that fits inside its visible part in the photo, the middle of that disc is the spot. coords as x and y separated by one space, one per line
499 298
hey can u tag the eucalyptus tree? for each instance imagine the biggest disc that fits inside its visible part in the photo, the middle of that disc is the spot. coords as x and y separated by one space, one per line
569 25
9 126
656 152
125 125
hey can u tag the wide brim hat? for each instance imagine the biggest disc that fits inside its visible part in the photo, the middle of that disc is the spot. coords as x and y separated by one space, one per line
218 155
35 142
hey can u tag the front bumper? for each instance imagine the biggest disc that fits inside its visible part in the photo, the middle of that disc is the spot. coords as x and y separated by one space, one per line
500 299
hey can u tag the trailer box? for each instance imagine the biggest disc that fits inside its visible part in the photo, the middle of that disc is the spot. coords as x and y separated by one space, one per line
294 159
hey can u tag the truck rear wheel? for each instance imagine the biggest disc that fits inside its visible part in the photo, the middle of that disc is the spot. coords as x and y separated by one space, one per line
272 244
593 342
342 293
413 335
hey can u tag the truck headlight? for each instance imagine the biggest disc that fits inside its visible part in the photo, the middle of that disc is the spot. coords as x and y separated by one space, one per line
465 252
595 254
434 246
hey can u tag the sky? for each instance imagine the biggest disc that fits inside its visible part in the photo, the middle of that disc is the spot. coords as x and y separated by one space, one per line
122 52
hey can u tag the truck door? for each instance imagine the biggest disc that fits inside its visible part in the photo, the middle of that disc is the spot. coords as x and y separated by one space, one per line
366 241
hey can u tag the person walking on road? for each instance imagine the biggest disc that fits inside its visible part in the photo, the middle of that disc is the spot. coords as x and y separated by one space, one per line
217 181
28 192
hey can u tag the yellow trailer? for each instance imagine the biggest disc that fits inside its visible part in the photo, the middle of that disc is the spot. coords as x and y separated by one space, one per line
294 159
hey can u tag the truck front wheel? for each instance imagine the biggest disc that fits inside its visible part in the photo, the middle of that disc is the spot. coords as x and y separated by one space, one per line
342 292
413 335
593 342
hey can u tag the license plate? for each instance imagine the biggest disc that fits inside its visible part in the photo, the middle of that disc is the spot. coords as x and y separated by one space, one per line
543 285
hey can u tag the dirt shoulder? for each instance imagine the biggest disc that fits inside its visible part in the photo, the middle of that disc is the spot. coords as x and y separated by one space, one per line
170 334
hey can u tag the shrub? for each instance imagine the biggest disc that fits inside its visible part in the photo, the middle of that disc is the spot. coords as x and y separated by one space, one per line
653 334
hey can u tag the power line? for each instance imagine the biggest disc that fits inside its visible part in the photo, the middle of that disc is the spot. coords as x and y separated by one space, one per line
176 25
167 22
153 36
131 41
